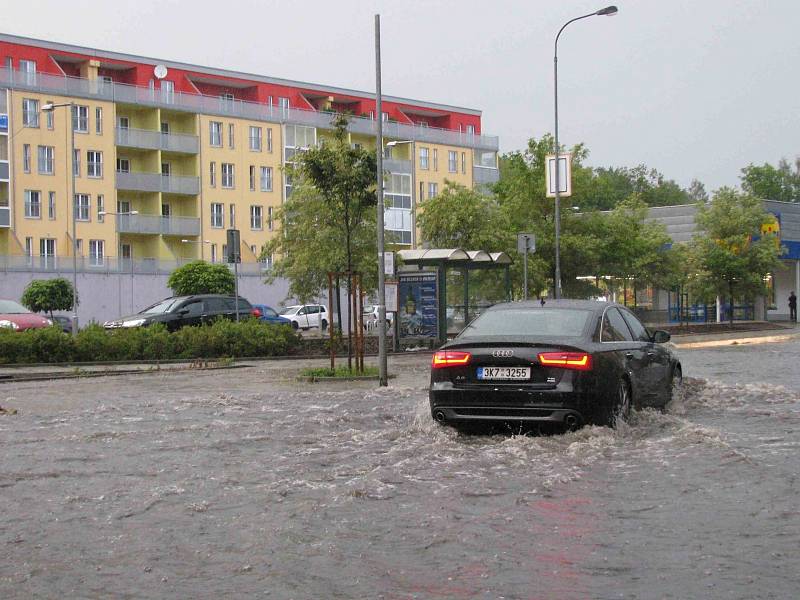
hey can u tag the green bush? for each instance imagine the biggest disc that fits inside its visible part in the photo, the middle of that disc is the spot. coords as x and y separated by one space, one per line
223 338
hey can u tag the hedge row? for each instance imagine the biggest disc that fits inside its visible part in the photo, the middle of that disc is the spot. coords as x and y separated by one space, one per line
95 344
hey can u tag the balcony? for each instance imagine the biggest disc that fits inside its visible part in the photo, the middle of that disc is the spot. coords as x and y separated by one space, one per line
213 105
158 225
153 182
394 165
155 140
5 216
3 170
485 175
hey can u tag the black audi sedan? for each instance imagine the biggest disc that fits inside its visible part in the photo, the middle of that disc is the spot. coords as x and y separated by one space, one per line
566 362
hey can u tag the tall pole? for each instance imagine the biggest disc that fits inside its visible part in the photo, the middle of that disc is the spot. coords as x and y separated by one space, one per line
608 11
382 362
74 226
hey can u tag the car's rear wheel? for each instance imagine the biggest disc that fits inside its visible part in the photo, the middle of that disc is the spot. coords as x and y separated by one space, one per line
621 411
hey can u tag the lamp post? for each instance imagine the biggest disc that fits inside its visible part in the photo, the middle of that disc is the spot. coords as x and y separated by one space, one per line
608 11
383 377
49 107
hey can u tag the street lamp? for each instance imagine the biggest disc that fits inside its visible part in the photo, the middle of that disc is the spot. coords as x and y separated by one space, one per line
383 376
608 11
50 107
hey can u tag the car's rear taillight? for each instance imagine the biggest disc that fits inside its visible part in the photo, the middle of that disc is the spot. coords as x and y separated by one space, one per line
256 313
578 361
450 358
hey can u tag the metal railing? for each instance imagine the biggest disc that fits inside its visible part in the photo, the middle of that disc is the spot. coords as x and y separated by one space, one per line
155 140
155 182
198 103
109 264
396 165
484 175
156 224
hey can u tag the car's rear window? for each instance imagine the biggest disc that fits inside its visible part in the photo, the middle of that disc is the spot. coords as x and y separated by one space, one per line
548 322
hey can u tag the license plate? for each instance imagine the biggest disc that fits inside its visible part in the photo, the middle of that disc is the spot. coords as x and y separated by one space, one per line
507 373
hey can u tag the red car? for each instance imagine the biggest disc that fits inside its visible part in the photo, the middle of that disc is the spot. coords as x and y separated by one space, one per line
15 316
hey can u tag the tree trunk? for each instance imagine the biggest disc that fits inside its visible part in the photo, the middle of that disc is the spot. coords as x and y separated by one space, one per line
730 309
339 305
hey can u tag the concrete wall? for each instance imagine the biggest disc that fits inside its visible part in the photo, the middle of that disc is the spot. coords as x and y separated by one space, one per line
107 296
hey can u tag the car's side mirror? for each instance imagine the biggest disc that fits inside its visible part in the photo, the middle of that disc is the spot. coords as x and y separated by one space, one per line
659 336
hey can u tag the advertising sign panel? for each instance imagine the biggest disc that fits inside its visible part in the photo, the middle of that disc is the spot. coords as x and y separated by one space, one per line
418 314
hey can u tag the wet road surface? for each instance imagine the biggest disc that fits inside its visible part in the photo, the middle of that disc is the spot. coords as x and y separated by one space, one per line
232 484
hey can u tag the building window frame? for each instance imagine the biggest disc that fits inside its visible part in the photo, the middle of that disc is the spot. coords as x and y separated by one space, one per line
228 176
30 112
424 163
255 138
266 179
252 178
231 135
452 161
33 204
97 250
94 164
26 158
82 205
217 215
46 160
51 206
98 120
215 134
256 217
80 118
212 174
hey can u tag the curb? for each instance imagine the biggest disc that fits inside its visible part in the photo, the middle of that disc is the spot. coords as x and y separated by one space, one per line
739 341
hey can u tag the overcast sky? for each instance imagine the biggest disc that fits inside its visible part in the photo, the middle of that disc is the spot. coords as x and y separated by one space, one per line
695 89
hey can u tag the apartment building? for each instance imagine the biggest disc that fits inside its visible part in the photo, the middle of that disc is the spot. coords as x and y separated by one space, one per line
165 157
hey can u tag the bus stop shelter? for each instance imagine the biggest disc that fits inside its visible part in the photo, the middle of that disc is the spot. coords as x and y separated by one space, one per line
444 259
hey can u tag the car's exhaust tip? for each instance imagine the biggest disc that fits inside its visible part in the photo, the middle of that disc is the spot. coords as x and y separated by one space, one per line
571 421
439 416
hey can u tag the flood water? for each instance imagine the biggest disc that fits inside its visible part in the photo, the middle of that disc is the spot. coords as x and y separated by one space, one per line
231 484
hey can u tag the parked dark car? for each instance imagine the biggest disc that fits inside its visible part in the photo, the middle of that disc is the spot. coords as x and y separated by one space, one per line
15 316
180 311
267 314
567 362
64 322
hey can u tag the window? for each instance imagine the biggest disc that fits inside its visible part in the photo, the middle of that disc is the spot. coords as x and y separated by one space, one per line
471 129
167 91
398 191
231 132
614 328
435 159
50 117
255 218
227 175
30 112
433 190
464 162
29 68
166 169
33 204
269 140
232 215
80 119
213 253
270 222
252 178
226 101
283 103
423 158
298 139
26 158
101 208
421 191
212 174
76 162
255 139
372 115
79 246
166 209
215 133
98 120
123 206
123 165
96 252
125 251
47 252
266 179
384 116
387 152
94 164
165 127
45 159
452 161
225 252
217 215
82 206
29 249
51 206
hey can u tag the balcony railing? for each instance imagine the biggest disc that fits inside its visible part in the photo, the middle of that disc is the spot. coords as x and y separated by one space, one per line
156 224
395 165
109 264
198 103
155 140
5 216
153 182
485 175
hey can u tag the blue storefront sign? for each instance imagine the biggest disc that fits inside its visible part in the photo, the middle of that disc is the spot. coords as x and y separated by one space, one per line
419 316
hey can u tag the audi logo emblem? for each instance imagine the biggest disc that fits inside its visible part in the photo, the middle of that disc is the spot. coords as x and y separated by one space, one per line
503 353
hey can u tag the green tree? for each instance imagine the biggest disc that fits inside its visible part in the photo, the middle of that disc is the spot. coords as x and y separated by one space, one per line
47 295
771 183
328 222
730 256
200 277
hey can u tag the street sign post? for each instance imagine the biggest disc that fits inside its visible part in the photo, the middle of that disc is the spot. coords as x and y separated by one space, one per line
526 243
